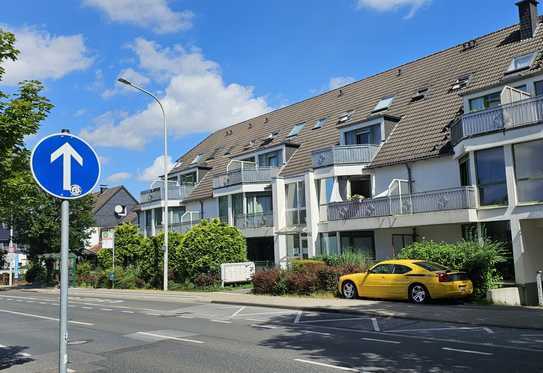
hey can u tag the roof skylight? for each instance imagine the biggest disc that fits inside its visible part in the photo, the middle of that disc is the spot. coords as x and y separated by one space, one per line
296 129
461 82
319 123
345 117
197 159
521 62
383 104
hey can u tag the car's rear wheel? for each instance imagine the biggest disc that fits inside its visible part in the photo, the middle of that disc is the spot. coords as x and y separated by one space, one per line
348 289
418 294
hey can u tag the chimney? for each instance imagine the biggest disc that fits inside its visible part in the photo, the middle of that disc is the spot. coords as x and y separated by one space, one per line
103 188
527 11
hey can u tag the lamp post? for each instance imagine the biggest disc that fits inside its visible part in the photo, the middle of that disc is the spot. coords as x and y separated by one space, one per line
166 217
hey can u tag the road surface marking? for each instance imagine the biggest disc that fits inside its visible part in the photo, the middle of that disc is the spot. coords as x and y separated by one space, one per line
106 309
435 329
127 311
298 316
29 301
23 354
168 337
488 330
45 317
266 313
3 346
381 340
43 303
222 321
86 308
153 314
467 351
319 333
327 365
330 320
264 326
375 324
186 317
237 312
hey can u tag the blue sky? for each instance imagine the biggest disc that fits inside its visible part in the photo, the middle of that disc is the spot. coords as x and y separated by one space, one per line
213 63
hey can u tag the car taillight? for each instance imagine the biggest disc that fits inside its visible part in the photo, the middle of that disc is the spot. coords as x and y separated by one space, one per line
442 277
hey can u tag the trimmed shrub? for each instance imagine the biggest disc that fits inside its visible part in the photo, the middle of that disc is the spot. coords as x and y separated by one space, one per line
206 280
328 278
302 283
36 273
306 264
265 281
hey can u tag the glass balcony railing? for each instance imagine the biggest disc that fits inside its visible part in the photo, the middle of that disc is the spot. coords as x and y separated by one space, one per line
242 176
516 114
344 154
406 204
175 193
257 220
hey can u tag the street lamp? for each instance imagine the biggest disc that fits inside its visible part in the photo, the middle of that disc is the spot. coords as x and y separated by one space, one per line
166 217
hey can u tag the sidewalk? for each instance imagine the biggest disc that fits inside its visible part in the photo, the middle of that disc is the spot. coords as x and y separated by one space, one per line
485 315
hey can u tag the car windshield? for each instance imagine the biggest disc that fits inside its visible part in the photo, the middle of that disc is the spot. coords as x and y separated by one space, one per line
432 267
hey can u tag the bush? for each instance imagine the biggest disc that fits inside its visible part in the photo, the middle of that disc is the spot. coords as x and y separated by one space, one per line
208 245
302 283
478 260
328 278
207 280
265 281
348 258
306 264
83 273
36 274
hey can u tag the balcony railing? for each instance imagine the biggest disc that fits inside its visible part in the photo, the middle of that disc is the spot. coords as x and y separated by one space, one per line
242 176
175 193
439 200
258 220
344 154
516 114
184 226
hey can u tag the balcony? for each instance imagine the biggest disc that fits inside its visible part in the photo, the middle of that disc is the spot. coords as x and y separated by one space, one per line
245 176
344 154
175 193
407 204
253 221
516 114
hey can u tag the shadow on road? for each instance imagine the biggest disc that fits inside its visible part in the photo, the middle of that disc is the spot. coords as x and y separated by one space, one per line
13 355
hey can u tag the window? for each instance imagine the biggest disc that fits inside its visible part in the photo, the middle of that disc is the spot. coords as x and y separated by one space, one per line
364 135
345 117
188 178
485 102
358 241
223 208
420 94
399 241
258 203
465 177
383 269
319 123
197 159
529 171
401 269
297 246
229 150
521 62
383 104
522 87
271 159
328 244
295 200
214 153
269 139
538 88
296 130
432 267
491 181
461 82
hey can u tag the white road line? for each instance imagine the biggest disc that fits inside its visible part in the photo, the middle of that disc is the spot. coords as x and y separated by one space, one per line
45 317
29 301
222 321
106 309
237 312
330 320
267 313
86 308
375 324
264 326
319 333
169 337
467 351
327 365
127 311
298 316
186 317
434 329
488 330
381 340
3 346
24 354
153 314
42 303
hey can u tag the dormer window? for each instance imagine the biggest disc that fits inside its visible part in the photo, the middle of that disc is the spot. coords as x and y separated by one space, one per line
461 82
197 159
521 63
383 104
319 123
269 139
421 94
296 130
345 117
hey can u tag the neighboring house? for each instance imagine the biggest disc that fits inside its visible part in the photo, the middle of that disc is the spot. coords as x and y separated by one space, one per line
112 207
441 148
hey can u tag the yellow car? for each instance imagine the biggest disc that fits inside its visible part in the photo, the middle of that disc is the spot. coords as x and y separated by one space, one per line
414 280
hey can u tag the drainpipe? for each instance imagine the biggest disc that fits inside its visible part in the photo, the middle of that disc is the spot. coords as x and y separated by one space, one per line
409 178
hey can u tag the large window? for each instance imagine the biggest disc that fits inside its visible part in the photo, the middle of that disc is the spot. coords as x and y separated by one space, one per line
295 198
465 177
328 244
223 208
324 189
491 179
188 178
259 203
271 159
364 135
538 86
529 171
485 102
358 241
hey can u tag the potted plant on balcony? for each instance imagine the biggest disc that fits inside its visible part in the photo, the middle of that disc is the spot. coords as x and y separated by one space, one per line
357 198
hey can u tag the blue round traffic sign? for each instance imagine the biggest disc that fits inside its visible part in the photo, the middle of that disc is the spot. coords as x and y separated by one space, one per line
65 166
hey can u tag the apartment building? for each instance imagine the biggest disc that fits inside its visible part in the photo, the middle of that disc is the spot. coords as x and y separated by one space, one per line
442 148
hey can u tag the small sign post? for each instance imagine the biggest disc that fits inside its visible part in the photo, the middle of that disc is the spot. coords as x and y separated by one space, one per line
108 242
66 167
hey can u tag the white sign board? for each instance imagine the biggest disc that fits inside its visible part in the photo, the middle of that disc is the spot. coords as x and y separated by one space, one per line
237 272
108 237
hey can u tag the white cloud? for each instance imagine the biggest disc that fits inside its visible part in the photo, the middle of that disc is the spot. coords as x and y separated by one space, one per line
44 56
154 14
196 100
340 81
132 76
80 113
155 170
118 177
392 5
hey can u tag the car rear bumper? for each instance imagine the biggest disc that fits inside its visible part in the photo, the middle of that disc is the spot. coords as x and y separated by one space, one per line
454 289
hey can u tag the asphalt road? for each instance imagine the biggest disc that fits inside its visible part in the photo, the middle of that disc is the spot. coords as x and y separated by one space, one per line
120 335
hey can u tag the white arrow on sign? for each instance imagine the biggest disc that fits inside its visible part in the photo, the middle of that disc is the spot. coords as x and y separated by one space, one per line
67 152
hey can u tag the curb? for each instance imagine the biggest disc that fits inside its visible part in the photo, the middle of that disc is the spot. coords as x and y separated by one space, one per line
374 313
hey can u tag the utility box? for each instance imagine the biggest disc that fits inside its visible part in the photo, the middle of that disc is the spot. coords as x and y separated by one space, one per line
237 272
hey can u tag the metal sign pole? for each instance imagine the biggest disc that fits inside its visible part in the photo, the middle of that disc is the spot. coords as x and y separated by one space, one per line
64 245
113 279
539 280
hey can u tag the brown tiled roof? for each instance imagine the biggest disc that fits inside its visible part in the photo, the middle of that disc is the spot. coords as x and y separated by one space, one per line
420 134
101 198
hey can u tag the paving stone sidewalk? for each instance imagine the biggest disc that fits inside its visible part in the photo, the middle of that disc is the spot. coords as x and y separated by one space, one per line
485 315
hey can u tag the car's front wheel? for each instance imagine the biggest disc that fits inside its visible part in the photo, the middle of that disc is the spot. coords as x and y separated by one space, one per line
418 294
348 289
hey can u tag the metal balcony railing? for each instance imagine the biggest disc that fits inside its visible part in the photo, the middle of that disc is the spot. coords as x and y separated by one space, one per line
439 200
518 113
242 176
344 154
175 192
258 220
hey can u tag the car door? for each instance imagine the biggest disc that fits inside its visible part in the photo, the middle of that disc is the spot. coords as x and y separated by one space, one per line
377 282
399 282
